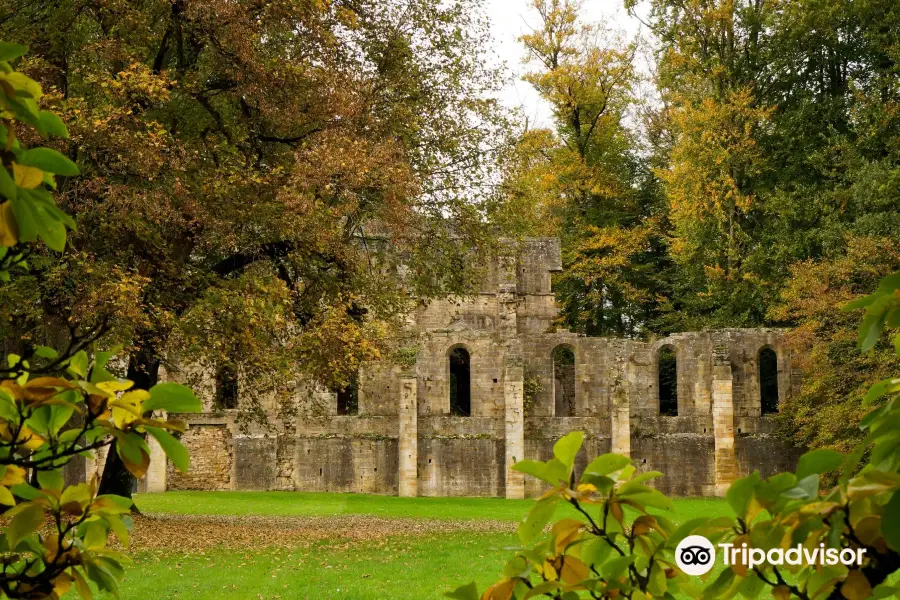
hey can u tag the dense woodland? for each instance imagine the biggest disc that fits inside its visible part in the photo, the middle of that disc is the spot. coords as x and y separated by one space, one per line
254 173
752 179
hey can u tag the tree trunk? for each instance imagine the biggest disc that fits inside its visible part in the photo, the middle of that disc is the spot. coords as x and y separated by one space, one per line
143 370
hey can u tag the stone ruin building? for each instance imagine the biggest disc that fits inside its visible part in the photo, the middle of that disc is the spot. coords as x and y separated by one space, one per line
695 406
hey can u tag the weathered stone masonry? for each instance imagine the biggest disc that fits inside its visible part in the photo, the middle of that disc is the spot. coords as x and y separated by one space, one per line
405 441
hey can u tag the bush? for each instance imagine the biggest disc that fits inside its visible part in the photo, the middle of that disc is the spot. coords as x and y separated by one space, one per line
623 543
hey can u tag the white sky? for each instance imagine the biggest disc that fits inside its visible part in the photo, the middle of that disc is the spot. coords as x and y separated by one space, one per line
511 18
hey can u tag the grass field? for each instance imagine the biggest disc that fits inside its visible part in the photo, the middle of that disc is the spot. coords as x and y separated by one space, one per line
283 545
318 504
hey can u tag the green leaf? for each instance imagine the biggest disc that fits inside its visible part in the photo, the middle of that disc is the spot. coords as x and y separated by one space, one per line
172 397
45 352
466 592
751 587
567 447
819 461
890 385
48 159
718 587
873 322
48 420
80 493
537 518
26 491
26 218
806 488
176 452
100 373
8 188
740 493
51 480
890 528
606 464
119 526
685 529
95 534
35 218
10 51
53 125
78 364
885 591
122 501
654 499
101 575
613 569
595 551
552 471
26 522
646 476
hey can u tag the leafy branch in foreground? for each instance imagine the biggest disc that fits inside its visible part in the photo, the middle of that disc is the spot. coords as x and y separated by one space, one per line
621 541
54 405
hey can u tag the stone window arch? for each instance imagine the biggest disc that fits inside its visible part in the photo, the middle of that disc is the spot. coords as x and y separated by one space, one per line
564 380
348 397
459 364
768 380
226 386
667 380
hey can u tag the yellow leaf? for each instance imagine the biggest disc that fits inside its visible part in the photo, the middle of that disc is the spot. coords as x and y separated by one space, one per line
856 586
115 386
9 227
13 475
27 177
27 438
566 532
643 525
127 409
136 469
6 497
62 584
84 590
502 590
573 570
548 571
781 592
616 510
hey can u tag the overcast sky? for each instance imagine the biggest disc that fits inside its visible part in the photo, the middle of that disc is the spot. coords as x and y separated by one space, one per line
512 18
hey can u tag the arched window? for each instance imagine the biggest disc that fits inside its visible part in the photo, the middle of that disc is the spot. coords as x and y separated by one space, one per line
226 387
768 381
460 383
563 381
348 398
668 382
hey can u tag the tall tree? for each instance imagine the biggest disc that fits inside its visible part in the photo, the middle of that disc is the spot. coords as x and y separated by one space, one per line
257 171
585 177
779 114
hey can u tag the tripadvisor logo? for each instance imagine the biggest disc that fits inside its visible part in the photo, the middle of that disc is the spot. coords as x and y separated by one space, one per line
696 555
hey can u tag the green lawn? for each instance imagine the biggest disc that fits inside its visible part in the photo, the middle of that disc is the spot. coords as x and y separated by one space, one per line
399 565
322 504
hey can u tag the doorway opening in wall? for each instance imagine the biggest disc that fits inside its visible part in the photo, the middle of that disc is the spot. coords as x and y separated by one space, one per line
768 381
668 382
563 381
226 387
348 398
460 383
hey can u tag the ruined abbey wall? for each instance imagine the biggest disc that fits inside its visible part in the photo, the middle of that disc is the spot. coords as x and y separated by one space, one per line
404 439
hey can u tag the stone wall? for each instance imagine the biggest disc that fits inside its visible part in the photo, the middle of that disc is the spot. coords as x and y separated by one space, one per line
212 452
404 440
